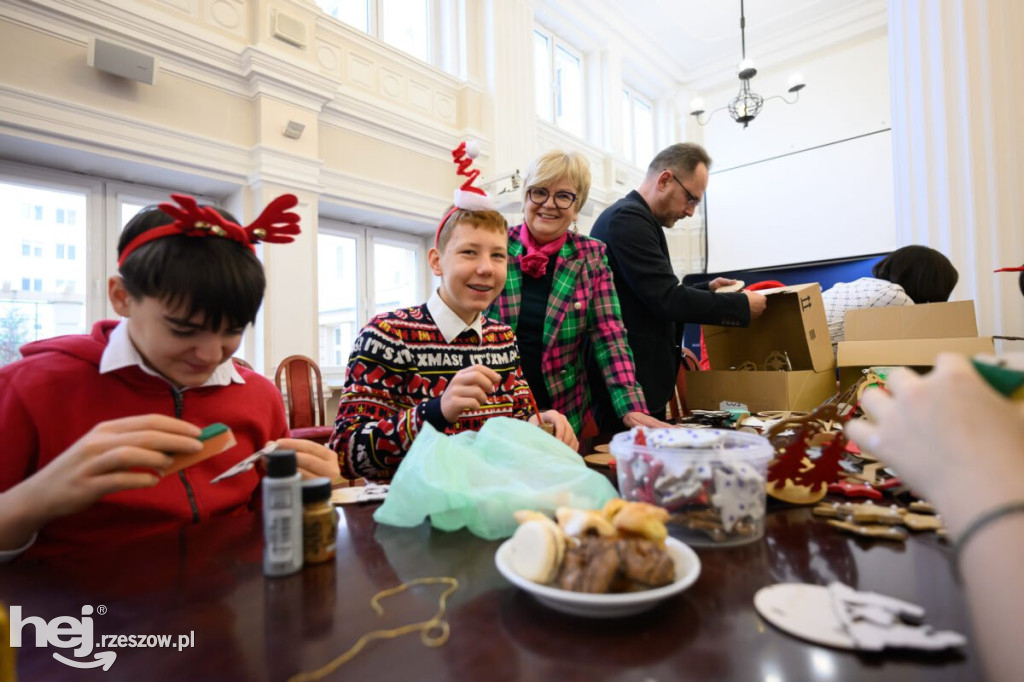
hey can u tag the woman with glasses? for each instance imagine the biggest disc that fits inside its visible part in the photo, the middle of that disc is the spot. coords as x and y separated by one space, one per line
559 298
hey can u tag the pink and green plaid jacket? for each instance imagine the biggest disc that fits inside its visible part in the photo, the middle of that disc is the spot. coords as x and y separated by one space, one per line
582 306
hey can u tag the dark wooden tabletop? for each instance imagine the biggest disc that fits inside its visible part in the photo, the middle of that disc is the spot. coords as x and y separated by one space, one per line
207 582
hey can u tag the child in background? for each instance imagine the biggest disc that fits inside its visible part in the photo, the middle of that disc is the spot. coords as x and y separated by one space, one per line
909 275
442 362
91 421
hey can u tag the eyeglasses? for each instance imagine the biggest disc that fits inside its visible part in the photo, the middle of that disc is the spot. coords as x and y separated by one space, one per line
691 200
539 196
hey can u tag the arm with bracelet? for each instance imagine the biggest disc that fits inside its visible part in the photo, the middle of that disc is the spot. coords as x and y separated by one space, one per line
960 442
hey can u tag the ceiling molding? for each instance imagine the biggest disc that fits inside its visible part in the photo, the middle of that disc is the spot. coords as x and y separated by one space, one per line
270 165
105 132
344 196
358 112
269 73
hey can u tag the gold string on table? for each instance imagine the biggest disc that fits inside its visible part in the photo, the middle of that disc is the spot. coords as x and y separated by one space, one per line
436 623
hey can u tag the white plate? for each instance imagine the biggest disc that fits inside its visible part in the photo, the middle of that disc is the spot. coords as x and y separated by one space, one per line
605 605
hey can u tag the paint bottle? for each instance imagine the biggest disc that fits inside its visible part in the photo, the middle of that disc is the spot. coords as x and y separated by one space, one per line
282 515
319 521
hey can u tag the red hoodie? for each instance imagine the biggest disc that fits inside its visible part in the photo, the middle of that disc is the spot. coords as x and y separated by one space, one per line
56 394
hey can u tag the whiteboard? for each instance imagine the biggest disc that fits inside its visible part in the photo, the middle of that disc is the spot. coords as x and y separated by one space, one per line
832 201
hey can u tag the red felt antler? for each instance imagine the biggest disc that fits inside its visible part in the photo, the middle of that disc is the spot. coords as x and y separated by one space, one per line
276 224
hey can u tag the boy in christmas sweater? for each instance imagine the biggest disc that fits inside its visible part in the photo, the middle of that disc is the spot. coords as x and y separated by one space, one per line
442 362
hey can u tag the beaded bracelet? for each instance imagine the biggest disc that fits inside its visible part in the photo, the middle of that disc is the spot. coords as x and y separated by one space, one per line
979 523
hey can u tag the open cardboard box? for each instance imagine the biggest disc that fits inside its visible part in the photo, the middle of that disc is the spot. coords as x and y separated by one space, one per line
794 324
909 336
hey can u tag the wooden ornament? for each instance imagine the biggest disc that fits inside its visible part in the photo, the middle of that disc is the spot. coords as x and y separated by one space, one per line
878 532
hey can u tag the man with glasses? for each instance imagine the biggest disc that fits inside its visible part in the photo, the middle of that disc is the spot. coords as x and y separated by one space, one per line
655 304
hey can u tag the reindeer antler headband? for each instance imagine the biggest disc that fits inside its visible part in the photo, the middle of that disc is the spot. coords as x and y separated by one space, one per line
468 197
275 225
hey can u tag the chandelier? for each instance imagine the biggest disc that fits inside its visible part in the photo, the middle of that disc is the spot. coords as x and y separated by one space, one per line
746 105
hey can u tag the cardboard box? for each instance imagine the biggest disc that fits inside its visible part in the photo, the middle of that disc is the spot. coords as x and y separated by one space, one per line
908 336
926 321
793 323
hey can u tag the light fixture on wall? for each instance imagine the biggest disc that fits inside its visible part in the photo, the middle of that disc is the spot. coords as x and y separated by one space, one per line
746 105
505 191
293 129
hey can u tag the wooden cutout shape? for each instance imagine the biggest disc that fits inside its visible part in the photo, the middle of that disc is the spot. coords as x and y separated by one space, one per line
878 532
922 522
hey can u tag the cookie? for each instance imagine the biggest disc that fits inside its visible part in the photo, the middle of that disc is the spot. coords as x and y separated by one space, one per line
537 551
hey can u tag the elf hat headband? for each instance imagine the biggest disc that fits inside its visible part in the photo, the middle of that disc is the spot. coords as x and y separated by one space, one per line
468 197
274 225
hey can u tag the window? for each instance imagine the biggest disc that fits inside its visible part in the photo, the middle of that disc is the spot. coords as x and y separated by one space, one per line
405 24
340 295
355 13
361 272
395 269
558 87
638 128
29 195
32 311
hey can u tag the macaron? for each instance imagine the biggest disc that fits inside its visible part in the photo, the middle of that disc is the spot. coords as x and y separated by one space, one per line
537 550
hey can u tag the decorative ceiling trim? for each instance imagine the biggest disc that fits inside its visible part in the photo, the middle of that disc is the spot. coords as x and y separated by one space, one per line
107 133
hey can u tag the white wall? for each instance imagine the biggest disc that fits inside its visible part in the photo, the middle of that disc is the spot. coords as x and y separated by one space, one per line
808 181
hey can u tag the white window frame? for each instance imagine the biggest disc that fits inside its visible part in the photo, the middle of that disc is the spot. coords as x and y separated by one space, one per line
102 223
554 44
630 150
442 26
366 238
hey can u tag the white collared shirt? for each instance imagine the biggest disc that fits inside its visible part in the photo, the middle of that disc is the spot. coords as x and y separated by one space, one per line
121 352
450 324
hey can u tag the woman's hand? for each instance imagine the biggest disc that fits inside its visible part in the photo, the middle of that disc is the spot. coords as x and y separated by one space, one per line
949 435
563 430
641 419
314 460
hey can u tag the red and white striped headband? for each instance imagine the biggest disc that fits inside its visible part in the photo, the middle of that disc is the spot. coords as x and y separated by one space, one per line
468 197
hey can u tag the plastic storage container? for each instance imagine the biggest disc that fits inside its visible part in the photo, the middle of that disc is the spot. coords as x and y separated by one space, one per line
711 481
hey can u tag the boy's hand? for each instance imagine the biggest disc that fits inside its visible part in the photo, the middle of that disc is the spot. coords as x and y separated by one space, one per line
105 460
314 460
563 430
468 390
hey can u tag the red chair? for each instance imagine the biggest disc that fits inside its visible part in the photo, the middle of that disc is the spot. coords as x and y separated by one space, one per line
677 408
301 385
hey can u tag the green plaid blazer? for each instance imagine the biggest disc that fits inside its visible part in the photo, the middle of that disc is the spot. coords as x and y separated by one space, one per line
582 307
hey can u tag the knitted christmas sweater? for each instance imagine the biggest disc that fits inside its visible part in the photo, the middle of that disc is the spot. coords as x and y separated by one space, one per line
398 370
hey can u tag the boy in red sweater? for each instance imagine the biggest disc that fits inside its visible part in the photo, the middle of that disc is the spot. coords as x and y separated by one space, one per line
90 422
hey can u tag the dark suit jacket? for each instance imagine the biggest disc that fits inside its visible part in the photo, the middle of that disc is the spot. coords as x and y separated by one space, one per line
654 303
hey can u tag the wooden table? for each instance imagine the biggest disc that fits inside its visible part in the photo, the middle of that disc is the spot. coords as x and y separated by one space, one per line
207 580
